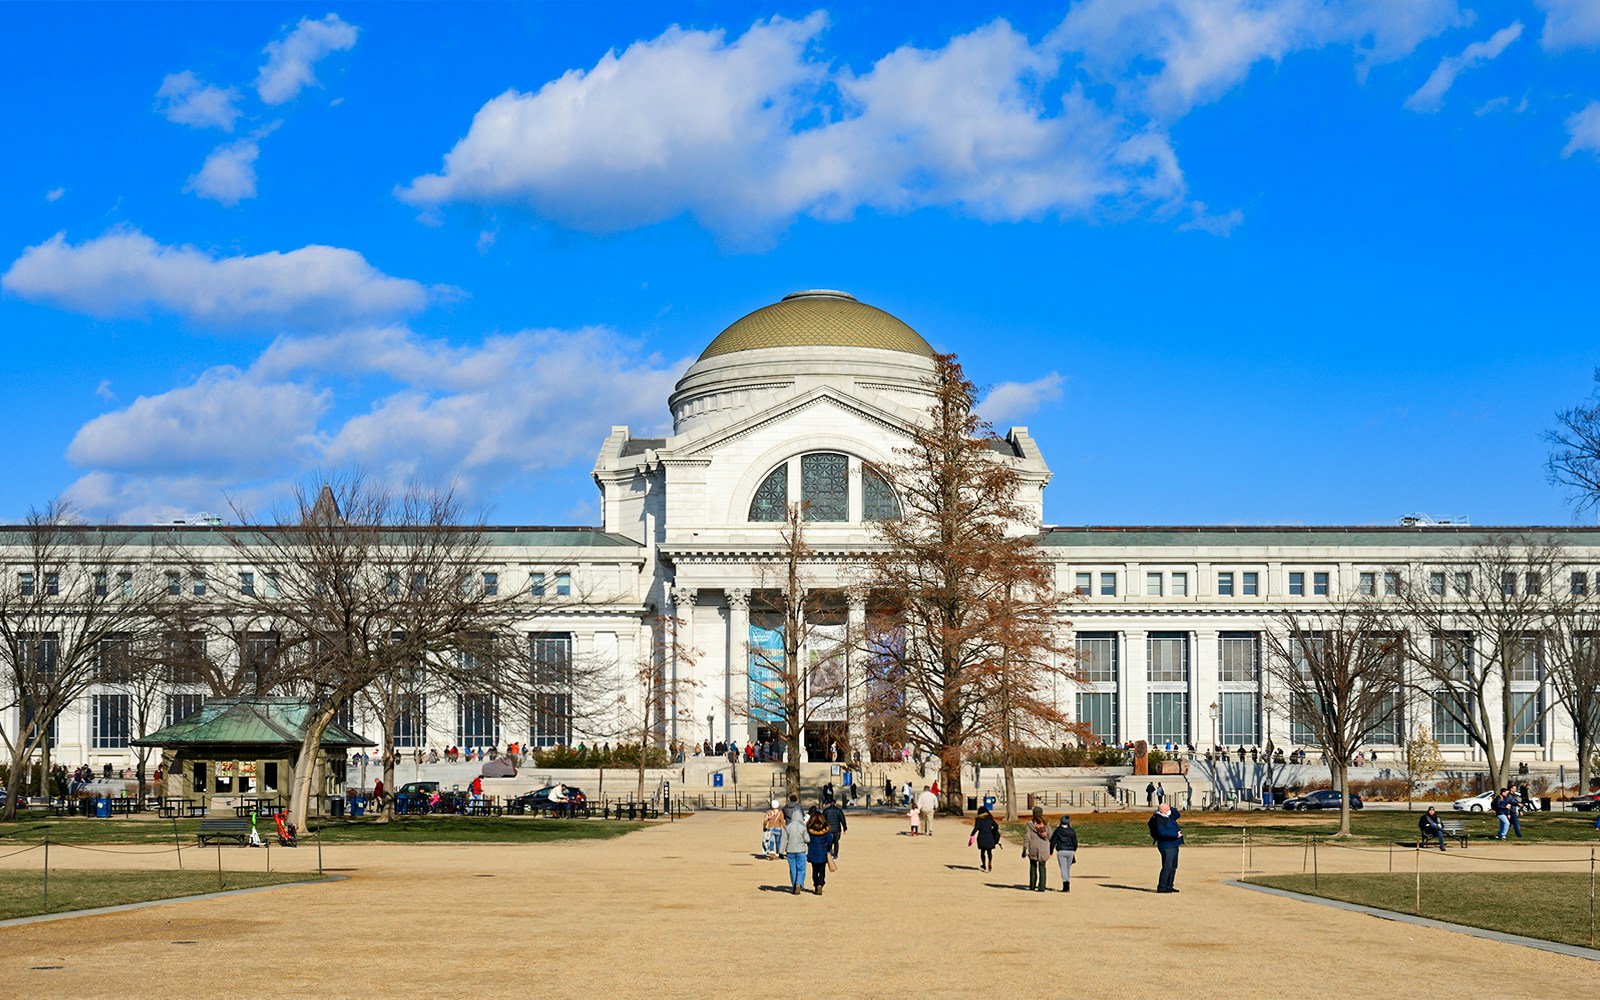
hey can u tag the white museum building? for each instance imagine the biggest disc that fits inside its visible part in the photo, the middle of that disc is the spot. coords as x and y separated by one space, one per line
794 402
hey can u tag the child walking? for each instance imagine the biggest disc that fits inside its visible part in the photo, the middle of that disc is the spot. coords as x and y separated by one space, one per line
915 816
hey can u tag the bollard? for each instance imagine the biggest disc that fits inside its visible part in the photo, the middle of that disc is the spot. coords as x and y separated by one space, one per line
1591 897
219 867
1315 872
47 874
1418 910
319 850
176 843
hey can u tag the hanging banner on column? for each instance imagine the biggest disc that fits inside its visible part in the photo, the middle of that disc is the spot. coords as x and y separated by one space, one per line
826 648
766 674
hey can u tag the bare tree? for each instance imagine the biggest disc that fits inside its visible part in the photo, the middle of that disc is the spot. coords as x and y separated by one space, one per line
1478 618
954 574
1574 460
1573 663
1342 668
370 585
1420 759
75 593
639 695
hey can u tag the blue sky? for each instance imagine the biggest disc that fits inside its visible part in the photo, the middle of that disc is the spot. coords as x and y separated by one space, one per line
1232 261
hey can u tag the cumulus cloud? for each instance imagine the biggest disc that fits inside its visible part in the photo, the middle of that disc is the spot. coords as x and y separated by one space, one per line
126 273
229 174
1430 96
747 134
1583 129
514 404
1011 401
292 60
186 99
54 194
1569 24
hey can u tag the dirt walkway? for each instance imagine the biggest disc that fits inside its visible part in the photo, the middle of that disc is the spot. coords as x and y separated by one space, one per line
688 910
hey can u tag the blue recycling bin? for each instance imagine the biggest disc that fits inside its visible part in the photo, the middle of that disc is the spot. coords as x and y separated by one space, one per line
988 802
716 780
102 807
358 806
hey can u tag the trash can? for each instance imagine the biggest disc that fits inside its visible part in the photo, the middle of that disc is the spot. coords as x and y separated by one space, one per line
1030 802
716 780
1544 803
972 802
358 806
102 808
336 807
988 802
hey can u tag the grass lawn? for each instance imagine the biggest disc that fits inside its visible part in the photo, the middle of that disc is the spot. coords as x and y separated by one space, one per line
404 830
1553 906
1373 826
22 892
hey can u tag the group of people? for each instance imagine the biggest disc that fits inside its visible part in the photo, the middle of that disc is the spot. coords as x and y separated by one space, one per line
804 837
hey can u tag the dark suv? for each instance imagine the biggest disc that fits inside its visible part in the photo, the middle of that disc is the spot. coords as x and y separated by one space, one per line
1325 798
576 804
414 796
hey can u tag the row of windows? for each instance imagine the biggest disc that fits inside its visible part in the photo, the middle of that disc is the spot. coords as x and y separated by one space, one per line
1318 583
267 583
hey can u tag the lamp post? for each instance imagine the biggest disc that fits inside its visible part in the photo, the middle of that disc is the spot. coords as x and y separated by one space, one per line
1268 702
1216 713
711 720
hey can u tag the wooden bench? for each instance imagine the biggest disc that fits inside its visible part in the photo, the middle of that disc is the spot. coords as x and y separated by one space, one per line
237 830
1455 829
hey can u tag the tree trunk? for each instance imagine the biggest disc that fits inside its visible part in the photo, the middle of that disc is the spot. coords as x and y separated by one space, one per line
791 761
1583 764
950 783
388 786
305 771
19 778
1342 783
1011 793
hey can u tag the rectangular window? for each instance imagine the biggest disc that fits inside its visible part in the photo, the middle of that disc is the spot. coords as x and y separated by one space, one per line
550 710
25 585
477 722
1297 584
247 584
1580 584
272 584
101 587
184 657
174 583
1224 584
1463 584
491 584
1387 722
43 652
1239 718
110 722
1524 657
1098 711
563 584
1169 718
1508 584
115 655
1169 657
1436 584
1097 657
1252 584
391 584
1152 584
180 706
1367 584
257 653
1239 658
411 722
1447 725
1527 718
1303 720
1180 585
1082 583
1533 584
52 584
1108 585
1319 584
199 581
536 585
1452 654
125 584
1391 584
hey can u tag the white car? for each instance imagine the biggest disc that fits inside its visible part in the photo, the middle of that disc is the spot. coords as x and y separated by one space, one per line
1482 802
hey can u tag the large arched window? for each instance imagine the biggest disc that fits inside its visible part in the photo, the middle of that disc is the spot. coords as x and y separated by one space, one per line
824 479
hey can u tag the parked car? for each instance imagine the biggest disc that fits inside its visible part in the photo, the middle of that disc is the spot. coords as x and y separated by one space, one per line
1482 802
413 796
576 804
1584 803
1325 798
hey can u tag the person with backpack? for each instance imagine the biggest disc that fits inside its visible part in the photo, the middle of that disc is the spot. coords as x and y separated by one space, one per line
1168 837
986 834
794 847
1064 842
772 830
1036 848
819 838
834 814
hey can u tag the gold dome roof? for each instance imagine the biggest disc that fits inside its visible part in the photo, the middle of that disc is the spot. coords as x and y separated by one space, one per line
818 318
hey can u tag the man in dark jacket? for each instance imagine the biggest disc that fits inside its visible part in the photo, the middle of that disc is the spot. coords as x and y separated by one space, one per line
1064 841
1168 837
1431 827
834 814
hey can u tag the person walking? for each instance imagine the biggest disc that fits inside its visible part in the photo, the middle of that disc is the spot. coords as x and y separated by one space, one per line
927 802
1431 827
914 815
1036 848
1161 793
1168 837
1064 842
1150 792
986 834
905 793
818 839
834 814
1502 812
477 793
1514 811
794 844
772 830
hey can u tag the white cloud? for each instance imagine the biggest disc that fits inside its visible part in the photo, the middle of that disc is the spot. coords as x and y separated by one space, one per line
229 174
54 194
1584 130
1011 401
1570 24
291 61
1204 221
186 99
476 415
1430 96
103 390
126 273
746 134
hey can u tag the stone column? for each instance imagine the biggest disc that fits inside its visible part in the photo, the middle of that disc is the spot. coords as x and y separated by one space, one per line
1205 686
738 659
683 599
1135 686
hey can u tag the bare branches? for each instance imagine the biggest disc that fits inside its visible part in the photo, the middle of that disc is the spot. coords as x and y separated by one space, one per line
1574 460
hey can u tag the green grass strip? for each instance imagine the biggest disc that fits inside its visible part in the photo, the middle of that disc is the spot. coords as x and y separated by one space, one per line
22 892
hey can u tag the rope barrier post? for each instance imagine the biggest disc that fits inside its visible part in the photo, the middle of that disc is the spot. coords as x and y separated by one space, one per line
1304 853
1315 872
1391 857
219 867
319 850
47 875
176 842
1591 897
1418 909
1243 833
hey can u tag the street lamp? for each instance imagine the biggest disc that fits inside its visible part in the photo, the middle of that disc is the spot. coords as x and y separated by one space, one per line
711 720
1268 702
1216 713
